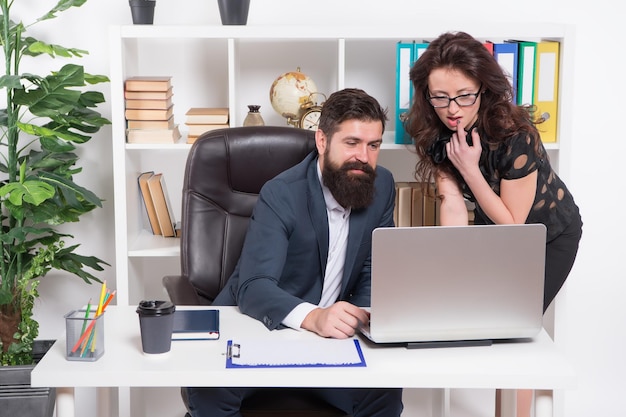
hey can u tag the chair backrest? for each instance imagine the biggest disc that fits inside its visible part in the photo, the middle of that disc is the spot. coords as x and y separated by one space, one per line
224 174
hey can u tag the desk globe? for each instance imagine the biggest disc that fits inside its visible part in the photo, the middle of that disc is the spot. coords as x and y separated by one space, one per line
289 92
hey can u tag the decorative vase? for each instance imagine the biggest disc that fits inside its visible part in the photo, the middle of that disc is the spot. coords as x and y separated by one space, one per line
142 11
234 12
254 117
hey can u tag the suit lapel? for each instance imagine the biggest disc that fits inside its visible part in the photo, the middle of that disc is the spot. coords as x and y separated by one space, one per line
317 213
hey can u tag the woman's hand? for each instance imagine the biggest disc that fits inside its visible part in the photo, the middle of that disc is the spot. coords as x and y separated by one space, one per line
463 156
516 196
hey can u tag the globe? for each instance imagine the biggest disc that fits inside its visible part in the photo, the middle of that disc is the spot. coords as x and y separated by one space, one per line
289 92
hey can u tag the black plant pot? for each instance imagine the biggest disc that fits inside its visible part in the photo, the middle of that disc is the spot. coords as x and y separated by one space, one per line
17 397
234 12
142 11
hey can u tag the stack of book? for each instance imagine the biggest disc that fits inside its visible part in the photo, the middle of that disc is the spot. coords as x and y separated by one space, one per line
203 119
149 110
414 207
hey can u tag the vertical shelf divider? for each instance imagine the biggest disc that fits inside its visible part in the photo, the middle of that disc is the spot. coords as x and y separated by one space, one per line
341 63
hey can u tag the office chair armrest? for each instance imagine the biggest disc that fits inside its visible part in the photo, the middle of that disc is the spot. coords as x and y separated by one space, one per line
180 290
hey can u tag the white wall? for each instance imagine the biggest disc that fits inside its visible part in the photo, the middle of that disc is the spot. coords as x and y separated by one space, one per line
591 317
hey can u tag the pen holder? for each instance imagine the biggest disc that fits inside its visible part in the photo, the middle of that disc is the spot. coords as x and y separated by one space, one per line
84 336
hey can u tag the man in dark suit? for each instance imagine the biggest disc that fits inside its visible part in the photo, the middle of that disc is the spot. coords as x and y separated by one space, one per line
305 262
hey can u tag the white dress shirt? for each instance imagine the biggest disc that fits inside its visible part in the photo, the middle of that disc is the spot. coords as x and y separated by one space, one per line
338 228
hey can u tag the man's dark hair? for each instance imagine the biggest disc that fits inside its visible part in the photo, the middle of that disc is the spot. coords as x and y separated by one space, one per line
350 104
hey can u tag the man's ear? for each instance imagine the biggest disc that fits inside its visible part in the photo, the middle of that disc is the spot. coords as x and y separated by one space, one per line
321 141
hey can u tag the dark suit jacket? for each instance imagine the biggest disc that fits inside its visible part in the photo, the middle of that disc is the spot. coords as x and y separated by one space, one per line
283 259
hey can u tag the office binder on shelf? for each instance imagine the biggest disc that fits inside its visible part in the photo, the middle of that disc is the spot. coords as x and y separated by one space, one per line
547 89
525 72
405 53
506 54
419 49
315 352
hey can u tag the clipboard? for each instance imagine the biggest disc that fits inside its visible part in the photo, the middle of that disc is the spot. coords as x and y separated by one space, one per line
294 353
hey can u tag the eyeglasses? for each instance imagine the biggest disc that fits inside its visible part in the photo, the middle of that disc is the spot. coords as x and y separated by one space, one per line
463 100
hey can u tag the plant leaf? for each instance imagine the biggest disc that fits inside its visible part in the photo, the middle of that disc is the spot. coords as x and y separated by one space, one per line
62 5
32 192
61 182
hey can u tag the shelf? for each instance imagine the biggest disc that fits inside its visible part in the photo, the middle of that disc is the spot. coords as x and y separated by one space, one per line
234 66
281 33
181 145
149 245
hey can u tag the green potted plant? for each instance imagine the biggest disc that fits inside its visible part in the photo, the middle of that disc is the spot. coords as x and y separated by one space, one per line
46 117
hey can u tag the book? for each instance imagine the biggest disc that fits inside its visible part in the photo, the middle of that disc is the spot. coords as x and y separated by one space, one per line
153 135
547 89
162 205
196 325
148 83
161 104
395 207
207 115
149 114
197 130
148 95
317 352
417 205
146 198
405 199
150 124
431 207
192 139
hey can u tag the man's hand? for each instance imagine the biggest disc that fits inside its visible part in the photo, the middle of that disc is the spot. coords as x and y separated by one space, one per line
338 321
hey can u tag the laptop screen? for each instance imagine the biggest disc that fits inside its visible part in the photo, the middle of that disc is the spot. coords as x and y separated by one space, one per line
457 282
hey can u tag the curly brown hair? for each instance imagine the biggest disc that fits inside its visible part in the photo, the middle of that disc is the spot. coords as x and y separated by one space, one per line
498 117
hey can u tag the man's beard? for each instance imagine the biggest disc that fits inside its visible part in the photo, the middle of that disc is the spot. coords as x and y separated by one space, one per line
349 189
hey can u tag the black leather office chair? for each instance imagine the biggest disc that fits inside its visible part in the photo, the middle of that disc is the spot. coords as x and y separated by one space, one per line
224 174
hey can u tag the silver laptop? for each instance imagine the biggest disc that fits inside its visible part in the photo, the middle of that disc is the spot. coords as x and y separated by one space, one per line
456 284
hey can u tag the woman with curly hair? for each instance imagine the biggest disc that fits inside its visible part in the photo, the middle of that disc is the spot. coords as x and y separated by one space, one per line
475 144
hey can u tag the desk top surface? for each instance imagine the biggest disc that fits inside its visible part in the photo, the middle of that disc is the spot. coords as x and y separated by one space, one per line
535 363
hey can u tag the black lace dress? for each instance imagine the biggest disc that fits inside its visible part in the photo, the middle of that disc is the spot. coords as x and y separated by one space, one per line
516 158
554 205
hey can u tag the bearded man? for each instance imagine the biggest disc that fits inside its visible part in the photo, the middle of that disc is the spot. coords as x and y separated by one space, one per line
306 259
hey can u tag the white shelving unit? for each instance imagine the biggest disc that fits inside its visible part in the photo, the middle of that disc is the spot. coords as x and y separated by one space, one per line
235 66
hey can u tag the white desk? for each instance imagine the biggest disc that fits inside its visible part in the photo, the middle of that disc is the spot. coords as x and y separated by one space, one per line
534 364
